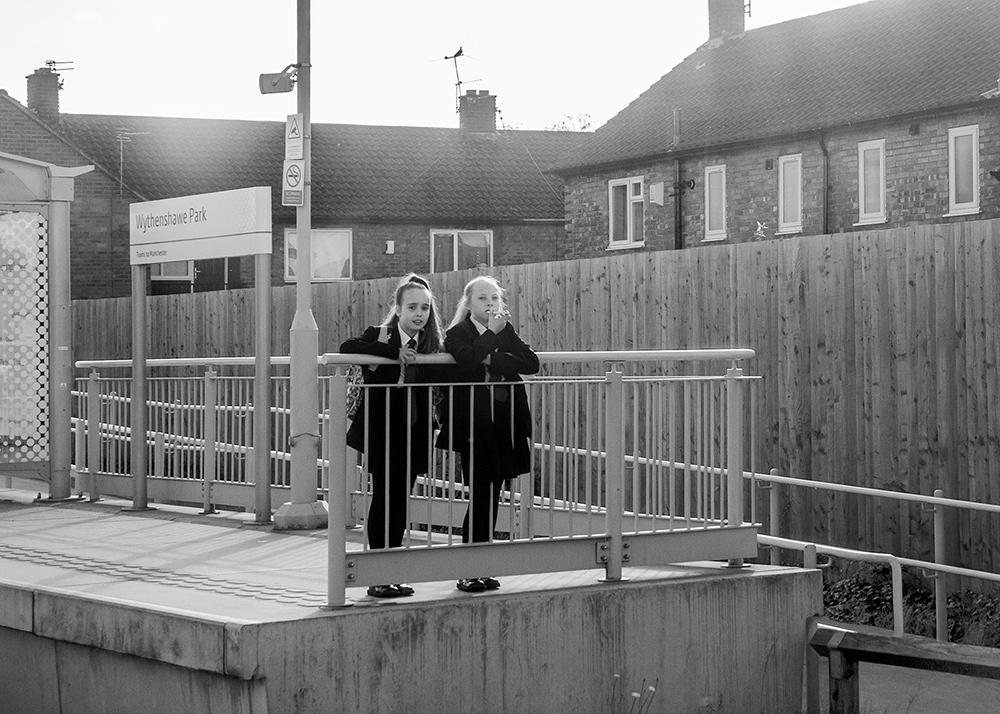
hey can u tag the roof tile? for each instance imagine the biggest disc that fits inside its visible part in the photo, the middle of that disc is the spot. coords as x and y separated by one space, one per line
859 63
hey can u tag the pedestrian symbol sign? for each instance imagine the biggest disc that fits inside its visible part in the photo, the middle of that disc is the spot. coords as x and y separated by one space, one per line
293 137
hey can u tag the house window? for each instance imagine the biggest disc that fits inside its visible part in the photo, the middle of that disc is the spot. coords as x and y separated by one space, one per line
871 181
331 255
715 203
790 194
177 270
963 170
626 201
458 250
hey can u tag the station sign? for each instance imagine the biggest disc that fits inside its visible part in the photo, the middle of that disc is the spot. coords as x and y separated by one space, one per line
210 225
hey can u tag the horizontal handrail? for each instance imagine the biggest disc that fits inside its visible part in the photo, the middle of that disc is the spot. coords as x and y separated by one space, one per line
577 357
574 357
181 362
879 492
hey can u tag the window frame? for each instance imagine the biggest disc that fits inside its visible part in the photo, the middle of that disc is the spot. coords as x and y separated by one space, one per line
172 278
718 234
786 226
319 233
455 243
881 216
954 207
633 197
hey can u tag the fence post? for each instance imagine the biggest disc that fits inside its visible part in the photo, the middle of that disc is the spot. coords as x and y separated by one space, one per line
940 578
615 449
734 455
94 432
339 483
209 433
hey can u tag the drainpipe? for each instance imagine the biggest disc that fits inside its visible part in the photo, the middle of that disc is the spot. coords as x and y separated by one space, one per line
678 216
826 184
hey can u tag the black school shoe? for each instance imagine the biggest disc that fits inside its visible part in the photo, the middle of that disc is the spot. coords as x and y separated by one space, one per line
472 585
388 591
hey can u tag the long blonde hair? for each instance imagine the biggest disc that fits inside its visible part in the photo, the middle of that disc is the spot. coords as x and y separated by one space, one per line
434 335
464 310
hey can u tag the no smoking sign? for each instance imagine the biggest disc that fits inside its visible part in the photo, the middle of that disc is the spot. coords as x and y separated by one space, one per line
293 183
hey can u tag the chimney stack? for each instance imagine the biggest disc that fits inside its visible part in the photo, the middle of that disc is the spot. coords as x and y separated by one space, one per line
725 17
477 111
43 94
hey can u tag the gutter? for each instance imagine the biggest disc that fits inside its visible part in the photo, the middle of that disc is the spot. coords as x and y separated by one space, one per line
576 170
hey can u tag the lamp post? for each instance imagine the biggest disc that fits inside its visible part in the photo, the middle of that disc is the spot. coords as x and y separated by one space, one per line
304 511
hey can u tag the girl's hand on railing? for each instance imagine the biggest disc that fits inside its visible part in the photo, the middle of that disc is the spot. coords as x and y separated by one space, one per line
407 355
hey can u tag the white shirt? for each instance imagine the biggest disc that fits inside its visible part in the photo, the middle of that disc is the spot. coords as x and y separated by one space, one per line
404 338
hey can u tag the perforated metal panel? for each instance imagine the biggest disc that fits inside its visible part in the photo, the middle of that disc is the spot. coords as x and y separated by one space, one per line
24 338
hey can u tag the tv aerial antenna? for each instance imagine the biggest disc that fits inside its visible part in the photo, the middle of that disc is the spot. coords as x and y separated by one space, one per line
124 136
54 66
458 79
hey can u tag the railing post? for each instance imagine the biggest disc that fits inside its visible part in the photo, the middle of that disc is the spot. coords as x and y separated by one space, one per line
209 422
336 536
159 455
94 432
734 455
260 460
940 579
809 559
773 515
615 477
897 596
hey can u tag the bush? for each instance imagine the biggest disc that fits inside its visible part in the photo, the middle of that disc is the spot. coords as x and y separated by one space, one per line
865 598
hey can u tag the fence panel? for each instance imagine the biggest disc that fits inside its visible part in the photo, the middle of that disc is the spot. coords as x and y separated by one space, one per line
877 349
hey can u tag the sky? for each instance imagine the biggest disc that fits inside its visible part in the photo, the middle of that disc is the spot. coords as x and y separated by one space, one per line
375 63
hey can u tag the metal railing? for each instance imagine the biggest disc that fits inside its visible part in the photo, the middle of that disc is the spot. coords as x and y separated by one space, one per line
934 504
626 468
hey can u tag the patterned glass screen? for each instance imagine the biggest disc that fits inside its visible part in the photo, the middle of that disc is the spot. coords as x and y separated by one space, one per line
24 338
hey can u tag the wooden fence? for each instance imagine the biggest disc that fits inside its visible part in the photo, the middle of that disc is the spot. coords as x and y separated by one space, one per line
878 352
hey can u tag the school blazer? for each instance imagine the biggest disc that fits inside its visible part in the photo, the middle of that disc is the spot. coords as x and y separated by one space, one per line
374 402
510 357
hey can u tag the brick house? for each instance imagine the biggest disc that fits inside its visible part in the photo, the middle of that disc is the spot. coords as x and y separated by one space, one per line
385 199
878 115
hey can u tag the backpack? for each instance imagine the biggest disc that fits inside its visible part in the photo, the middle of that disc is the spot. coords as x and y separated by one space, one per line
356 379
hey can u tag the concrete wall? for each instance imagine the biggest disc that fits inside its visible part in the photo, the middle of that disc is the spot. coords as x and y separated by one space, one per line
716 640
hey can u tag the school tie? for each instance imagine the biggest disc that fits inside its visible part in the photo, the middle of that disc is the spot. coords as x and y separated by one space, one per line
410 373
499 392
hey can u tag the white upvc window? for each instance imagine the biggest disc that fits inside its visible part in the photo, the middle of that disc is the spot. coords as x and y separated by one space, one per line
790 193
715 203
176 271
871 181
332 255
626 215
458 250
963 170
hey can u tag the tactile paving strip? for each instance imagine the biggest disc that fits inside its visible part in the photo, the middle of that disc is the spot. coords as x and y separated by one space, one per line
290 596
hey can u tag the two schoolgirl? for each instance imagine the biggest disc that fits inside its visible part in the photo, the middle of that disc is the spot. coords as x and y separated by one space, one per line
488 425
